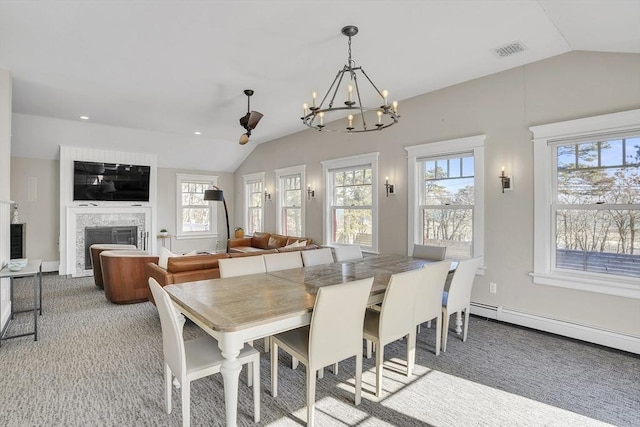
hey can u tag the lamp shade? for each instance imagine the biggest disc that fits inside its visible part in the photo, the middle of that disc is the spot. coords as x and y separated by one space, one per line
215 195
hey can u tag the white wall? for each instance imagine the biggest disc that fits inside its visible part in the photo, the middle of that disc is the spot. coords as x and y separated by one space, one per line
501 106
5 189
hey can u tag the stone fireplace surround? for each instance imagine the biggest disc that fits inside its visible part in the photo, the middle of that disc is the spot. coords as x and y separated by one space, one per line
81 217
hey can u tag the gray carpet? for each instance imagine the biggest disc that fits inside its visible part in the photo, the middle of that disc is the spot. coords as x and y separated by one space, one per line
100 364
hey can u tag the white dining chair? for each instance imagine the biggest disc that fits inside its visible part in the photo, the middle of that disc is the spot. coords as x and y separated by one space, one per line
429 298
241 266
458 298
434 253
335 334
395 320
320 256
282 261
347 252
190 360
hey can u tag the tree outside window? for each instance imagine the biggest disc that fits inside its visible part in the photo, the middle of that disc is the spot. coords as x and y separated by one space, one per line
447 196
597 206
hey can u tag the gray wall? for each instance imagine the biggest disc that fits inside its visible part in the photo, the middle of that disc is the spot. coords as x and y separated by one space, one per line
502 106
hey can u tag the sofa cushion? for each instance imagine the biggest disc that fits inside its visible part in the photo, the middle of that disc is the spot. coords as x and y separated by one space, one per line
277 241
260 240
194 262
293 239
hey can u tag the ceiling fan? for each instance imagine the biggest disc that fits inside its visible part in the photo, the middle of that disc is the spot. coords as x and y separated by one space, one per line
250 120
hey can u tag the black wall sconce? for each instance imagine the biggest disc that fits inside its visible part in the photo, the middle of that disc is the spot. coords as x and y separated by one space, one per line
505 181
389 187
267 195
311 194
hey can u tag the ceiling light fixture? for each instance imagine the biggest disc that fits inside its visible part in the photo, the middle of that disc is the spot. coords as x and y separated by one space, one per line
383 116
84 117
250 120
197 132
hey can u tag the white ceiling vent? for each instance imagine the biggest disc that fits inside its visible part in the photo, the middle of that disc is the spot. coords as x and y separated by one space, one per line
509 49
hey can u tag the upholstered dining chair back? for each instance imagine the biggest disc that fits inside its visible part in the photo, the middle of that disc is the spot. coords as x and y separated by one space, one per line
317 257
458 297
395 320
347 252
429 297
397 315
282 261
459 294
435 253
171 322
241 266
337 320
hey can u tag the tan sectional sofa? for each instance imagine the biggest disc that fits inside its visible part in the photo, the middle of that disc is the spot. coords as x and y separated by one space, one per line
265 241
190 268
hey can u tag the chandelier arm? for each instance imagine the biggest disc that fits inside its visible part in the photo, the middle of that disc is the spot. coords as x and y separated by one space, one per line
338 75
355 80
335 91
372 84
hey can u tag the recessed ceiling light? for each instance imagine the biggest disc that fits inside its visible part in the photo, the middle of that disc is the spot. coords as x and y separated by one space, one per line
197 132
84 117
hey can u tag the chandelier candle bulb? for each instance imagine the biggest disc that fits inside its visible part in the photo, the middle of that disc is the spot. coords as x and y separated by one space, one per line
385 95
349 93
313 96
379 117
350 118
321 115
305 107
395 107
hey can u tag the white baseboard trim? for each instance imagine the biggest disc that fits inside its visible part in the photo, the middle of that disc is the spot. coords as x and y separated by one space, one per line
49 266
558 327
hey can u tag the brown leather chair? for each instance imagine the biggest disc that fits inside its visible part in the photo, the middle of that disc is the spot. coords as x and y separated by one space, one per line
95 258
124 274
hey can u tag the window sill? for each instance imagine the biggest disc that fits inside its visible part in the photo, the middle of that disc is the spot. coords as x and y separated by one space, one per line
621 287
196 236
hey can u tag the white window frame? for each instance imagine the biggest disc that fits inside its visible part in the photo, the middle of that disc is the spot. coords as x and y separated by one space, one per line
280 174
248 179
209 181
544 137
368 159
451 147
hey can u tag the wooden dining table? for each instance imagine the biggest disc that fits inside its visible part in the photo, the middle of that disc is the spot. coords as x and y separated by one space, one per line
240 309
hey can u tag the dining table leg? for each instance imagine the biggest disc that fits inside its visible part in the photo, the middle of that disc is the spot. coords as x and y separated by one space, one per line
230 370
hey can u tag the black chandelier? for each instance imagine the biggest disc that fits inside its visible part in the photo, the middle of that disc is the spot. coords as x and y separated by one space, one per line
360 118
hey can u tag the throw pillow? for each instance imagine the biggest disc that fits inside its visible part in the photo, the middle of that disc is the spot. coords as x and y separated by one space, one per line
163 259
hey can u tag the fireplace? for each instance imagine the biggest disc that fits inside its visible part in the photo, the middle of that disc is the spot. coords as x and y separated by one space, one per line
127 235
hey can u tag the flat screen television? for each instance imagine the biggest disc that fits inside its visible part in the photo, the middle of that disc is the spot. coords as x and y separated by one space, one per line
110 181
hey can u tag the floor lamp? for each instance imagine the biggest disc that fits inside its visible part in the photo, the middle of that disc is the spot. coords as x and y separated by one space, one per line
217 195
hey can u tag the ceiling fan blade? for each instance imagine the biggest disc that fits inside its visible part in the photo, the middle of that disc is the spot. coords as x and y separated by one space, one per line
254 118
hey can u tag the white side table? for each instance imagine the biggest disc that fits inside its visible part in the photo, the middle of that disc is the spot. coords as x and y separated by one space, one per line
34 269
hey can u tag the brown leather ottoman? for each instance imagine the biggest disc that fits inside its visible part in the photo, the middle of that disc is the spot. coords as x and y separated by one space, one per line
124 274
95 258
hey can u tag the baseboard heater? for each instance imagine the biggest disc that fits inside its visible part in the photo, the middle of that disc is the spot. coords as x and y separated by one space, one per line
558 327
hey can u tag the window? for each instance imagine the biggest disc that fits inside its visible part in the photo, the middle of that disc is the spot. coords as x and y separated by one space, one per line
195 217
351 200
446 205
587 173
254 202
290 212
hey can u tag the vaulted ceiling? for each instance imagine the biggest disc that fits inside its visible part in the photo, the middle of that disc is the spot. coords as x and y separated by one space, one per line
177 67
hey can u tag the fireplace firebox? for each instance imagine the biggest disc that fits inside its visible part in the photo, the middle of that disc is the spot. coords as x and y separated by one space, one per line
122 235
